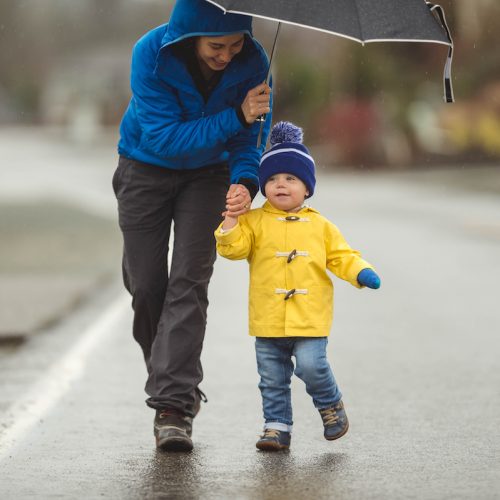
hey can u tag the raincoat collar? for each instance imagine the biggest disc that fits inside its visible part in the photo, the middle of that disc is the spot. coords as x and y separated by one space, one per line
267 207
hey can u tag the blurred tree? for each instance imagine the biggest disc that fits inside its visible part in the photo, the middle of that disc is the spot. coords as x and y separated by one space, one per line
36 37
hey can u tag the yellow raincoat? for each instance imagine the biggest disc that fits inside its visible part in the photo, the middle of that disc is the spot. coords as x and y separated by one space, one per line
289 254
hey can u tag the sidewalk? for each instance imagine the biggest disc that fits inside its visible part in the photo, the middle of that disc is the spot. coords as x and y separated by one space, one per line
52 257
59 238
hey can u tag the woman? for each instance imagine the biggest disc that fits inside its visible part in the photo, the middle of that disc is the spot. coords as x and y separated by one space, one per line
187 153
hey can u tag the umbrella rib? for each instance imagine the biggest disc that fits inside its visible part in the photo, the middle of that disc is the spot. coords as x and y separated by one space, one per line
396 40
359 22
217 5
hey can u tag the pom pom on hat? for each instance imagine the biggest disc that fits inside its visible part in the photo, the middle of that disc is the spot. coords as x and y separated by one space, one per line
287 155
286 132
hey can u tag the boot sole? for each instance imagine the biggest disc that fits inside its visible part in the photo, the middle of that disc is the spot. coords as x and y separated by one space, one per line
268 446
338 435
174 444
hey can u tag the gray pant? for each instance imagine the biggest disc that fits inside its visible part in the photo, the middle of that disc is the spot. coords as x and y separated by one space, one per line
170 311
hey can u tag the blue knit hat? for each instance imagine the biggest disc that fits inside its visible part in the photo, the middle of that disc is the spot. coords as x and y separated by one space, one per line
287 155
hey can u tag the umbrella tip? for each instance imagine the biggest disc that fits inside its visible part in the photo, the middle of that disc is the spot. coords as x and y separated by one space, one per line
286 132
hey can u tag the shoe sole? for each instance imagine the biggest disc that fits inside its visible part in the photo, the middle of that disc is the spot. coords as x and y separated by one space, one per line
338 435
268 446
174 444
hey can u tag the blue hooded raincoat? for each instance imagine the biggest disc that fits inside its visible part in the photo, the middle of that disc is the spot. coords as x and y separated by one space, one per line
168 123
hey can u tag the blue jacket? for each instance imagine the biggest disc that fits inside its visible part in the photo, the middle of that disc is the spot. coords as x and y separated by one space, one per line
168 123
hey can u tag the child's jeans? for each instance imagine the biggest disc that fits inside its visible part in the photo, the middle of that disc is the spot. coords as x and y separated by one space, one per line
275 366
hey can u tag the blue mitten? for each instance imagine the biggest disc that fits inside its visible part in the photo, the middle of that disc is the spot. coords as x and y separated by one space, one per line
368 277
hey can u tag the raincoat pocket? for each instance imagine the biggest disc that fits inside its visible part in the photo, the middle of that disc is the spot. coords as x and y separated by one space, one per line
321 305
266 307
312 312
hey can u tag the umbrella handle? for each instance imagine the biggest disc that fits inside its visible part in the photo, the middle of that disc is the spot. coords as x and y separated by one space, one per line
448 86
262 118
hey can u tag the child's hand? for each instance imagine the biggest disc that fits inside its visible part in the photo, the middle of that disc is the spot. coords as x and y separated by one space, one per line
368 277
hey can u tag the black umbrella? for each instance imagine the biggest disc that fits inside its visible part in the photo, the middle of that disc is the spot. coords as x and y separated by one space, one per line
364 21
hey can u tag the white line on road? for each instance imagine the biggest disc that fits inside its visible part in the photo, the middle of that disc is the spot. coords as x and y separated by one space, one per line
44 395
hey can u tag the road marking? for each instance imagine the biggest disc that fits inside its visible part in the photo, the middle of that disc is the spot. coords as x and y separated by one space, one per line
44 395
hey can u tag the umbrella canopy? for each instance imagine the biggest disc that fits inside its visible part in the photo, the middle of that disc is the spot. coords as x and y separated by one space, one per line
364 21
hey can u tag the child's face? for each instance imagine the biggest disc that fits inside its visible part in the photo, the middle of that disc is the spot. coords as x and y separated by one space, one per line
286 192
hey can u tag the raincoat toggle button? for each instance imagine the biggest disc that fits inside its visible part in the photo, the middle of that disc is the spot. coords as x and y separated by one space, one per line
292 217
289 293
292 256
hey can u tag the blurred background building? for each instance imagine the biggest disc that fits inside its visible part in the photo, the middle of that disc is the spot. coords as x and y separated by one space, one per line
66 65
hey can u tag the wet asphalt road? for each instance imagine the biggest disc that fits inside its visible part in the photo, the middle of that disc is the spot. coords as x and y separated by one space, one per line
417 362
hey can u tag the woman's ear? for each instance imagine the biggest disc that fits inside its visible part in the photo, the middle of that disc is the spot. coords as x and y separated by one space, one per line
307 194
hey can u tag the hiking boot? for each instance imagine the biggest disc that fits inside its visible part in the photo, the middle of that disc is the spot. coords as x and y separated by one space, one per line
335 421
172 430
274 440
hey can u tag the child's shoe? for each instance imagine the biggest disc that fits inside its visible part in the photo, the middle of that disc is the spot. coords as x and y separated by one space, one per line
274 440
335 421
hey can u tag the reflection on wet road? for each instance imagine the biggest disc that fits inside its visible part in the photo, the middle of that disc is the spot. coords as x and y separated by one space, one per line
270 476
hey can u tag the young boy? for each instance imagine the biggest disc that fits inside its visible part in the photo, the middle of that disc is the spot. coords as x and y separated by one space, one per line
289 247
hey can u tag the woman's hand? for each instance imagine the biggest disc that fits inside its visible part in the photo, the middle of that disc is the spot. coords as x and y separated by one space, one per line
238 200
256 102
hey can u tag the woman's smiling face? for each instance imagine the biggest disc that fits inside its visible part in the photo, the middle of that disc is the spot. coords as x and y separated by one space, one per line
216 52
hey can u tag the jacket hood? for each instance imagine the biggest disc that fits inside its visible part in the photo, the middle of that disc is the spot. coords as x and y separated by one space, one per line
201 18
